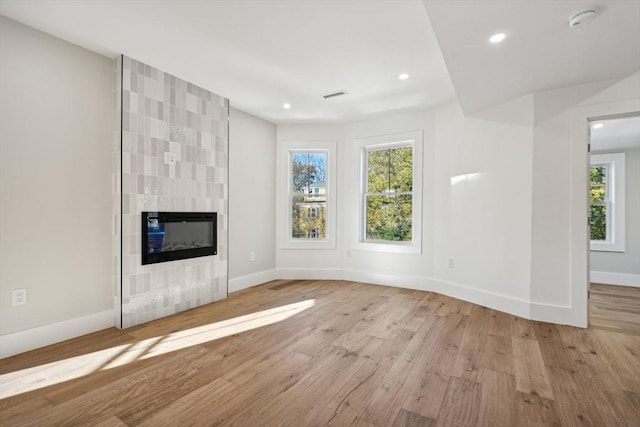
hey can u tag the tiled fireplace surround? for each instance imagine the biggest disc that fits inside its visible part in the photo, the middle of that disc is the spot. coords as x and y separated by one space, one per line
158 113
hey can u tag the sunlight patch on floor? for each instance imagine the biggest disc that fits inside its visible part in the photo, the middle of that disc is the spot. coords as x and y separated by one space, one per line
49 374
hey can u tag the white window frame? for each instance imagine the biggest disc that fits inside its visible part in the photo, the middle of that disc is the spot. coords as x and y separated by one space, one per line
283 196
413 139
615 164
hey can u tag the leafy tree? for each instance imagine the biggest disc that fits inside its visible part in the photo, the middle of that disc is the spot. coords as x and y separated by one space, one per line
598 211
308 210
389 199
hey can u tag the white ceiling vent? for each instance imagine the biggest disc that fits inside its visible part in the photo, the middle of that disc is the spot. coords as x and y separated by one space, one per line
334 94
583 18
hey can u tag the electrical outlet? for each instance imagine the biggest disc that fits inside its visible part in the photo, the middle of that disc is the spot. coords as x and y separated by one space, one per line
252 256
18 297
169 158
452 263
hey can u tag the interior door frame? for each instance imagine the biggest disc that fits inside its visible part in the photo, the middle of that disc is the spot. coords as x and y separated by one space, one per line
579 165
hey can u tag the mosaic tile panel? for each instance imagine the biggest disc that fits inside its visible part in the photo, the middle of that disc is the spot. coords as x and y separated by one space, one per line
162 113
116 191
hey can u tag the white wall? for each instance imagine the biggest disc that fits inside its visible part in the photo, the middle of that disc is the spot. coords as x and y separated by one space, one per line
559 254
379 265
483 223
252 163
311 263
627 262
516 228
55 179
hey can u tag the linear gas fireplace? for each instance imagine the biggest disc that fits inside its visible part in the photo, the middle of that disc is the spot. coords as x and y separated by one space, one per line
169 236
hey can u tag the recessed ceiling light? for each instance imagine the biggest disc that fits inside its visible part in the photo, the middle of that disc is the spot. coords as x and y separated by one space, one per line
403 76
497 38
597 126
286 105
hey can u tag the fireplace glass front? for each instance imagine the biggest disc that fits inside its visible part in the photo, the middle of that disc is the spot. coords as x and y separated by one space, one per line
169 236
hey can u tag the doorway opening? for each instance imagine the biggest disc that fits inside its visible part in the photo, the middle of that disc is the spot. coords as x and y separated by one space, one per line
614 223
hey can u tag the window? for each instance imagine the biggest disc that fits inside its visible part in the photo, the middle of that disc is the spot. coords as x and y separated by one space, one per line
600 197
308 219
389 193
306 206
391 174
606 196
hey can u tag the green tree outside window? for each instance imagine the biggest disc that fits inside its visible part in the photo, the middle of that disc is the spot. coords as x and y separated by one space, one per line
388 198
598 198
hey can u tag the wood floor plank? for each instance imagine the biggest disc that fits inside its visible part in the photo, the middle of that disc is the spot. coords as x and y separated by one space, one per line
111 421
615 308
359 422
497 405
461 404
409 367
469 360
338 354
533 410
140 390
531 373
250 402
302 407
194 408
13 414
424 395
356 391
411 419
572 405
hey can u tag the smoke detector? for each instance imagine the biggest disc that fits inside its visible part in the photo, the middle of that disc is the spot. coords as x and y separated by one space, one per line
583 18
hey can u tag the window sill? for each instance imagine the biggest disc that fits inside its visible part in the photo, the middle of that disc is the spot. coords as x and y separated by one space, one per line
606 247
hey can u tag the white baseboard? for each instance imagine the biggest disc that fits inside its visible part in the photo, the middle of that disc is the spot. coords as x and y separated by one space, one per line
244 282
29 339
396 280
507 304
496 301
622 279
310 274
492 300
558 314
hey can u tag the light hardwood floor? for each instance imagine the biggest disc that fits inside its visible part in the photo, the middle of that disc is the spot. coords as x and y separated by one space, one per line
298 353
615 308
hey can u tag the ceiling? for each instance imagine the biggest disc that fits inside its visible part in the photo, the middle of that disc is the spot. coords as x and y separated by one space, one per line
263 53
540 51
616 134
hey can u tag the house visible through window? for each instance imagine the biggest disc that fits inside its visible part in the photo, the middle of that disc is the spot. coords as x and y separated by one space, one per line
308 195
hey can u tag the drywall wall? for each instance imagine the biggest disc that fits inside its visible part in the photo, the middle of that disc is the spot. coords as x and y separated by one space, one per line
309 263
372 265
559 252
252 172
483 222
627 262
55 179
